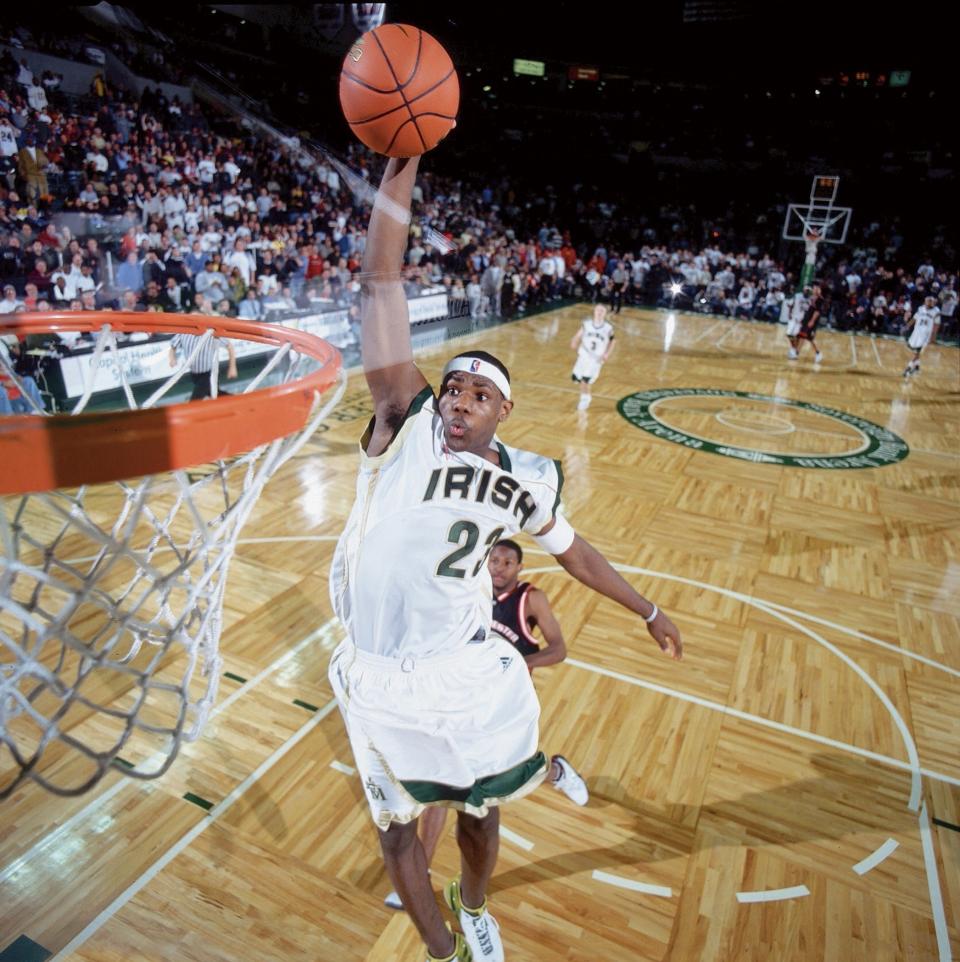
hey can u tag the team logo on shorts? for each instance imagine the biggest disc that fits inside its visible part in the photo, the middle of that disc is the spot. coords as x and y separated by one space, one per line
374 790
762 428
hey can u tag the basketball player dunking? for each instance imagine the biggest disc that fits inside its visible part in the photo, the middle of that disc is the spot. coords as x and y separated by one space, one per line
518 610
439 711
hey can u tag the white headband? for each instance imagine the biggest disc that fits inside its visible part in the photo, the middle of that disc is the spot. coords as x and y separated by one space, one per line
476 365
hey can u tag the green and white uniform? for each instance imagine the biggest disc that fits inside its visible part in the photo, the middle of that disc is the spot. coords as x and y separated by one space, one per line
437 709
924 321
594 341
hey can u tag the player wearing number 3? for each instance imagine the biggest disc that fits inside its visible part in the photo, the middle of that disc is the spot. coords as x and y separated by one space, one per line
439 711
593 343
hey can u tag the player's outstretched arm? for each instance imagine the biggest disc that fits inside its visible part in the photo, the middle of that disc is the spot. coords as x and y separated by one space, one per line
589 567
555 649
392 377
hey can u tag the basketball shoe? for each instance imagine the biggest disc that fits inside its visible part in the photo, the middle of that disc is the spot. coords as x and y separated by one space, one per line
817 358
461 951
792 354
570 782
480 928
393 901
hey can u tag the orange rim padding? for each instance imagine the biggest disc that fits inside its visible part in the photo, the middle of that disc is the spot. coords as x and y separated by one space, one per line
63 451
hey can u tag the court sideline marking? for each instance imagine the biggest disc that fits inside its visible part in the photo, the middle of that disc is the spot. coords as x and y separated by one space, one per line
712 327
723 337
187 839
876 857
915 804
49 841
774 895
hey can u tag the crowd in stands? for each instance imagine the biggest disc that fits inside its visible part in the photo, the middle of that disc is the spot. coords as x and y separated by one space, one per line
142 203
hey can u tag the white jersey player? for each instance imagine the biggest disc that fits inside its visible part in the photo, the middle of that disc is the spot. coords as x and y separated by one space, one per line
593 342
411 501
925 321
793 311
440 712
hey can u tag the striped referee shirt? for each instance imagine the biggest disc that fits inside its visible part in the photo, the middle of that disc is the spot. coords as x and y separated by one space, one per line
208 355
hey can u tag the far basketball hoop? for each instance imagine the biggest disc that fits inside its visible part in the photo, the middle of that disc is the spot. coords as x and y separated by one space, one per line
817 222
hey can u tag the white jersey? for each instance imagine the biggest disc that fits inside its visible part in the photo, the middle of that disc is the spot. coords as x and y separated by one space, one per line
409 577
594 339
792 311
924 321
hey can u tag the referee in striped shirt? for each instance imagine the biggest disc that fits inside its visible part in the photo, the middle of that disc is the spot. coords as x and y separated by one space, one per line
202 364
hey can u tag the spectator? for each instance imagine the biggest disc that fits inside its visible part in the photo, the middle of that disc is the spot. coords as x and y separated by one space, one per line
32 164
10 304
153 298
474 296
129 301
59 291
85 282
490 285
130 274
250 307
745 300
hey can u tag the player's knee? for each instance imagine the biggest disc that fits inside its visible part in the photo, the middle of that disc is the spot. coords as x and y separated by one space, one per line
473 827
397 839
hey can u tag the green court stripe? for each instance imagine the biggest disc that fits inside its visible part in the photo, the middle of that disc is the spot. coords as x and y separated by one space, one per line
937 821
24 949
304 704
197 800
123 763
233 677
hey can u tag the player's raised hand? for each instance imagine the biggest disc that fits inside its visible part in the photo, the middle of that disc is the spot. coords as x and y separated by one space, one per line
665 633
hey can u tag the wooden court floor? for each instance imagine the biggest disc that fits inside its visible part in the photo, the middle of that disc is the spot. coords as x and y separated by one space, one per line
789 792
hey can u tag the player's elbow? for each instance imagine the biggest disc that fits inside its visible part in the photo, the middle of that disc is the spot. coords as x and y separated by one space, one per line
574 560
558 651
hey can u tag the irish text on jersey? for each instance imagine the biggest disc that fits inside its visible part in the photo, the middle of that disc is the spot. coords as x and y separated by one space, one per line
458 481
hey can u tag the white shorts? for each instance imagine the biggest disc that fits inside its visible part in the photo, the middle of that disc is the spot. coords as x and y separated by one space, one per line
586 369
918 343
458 730
793 327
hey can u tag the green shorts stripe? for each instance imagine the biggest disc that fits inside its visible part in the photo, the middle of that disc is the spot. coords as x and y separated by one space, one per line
484 791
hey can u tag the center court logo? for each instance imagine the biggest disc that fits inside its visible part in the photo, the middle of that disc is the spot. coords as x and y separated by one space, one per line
878 447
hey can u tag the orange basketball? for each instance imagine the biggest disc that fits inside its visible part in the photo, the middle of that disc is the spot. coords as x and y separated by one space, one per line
399 90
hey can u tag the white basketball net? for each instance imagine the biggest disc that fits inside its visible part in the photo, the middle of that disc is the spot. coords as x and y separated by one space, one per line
111 601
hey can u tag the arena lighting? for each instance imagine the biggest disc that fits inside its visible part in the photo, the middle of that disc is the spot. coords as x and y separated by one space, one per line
487 89
675 288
